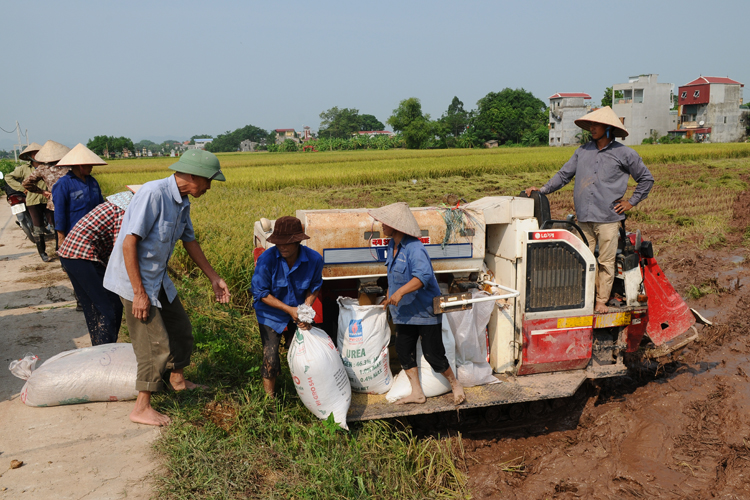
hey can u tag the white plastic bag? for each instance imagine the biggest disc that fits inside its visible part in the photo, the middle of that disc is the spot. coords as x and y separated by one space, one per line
105 372
319 375
363 338
22 368
470 331
433 384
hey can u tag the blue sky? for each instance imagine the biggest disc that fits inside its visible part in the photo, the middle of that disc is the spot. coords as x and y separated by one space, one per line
158 70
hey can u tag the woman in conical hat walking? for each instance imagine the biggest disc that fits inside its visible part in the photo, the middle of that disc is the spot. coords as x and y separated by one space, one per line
411 287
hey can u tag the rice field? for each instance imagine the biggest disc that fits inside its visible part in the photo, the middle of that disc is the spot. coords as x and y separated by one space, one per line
232 441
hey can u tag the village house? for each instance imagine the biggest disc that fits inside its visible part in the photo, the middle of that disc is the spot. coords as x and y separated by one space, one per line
248 146
644 108
709 110
564 109
283 134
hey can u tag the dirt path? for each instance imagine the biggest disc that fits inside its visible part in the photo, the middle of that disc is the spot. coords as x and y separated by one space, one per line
677 430
69 452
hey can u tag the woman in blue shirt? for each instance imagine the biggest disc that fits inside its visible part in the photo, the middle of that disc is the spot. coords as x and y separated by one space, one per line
411 287
77 192
286 276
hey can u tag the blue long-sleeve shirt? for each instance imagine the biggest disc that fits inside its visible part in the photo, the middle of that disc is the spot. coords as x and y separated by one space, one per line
412 261
73 199
601 180
274 277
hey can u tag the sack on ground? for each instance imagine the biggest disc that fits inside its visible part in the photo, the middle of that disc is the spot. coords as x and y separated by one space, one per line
433 384
105 372
363 338
319 375
470 331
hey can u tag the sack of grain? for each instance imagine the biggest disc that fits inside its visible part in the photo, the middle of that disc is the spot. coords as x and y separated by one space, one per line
105 372
363 338
319 375
433 384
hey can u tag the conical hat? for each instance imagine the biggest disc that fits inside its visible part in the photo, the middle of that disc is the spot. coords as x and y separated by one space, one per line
81 155
605 116
51 151
399 217
26 153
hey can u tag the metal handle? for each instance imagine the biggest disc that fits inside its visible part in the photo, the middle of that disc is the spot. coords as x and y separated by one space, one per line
551 221
511 293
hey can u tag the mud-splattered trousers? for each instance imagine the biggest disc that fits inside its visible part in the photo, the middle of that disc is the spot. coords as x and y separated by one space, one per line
271 341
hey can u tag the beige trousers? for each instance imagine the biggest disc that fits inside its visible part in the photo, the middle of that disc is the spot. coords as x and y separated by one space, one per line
607 234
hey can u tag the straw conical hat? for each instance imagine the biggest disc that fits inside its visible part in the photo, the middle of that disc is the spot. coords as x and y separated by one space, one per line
51 151
399 217
604 116
81 155
26 153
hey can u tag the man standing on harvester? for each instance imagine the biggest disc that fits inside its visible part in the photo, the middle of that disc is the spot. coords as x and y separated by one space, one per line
602 168
412 286
159 327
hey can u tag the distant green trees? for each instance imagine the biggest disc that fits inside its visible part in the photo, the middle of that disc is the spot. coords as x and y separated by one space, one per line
414 126
101 143
343 123
230 141
511 117
200 136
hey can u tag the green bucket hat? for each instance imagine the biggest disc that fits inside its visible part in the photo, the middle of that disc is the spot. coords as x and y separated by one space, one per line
201 163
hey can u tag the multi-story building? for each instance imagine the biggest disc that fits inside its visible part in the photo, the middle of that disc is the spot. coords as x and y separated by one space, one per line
644 107
709 110
564 109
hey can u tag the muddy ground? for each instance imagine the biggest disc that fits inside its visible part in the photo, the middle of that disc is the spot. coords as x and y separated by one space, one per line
677 429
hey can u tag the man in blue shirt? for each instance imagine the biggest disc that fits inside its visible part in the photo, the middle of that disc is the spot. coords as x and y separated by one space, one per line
160 330
411 288
602 168
286 276
77 192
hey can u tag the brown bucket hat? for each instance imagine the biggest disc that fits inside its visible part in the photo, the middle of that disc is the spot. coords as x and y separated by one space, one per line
26 153
287 230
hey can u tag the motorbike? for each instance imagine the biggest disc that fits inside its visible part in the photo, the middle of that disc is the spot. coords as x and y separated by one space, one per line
17 202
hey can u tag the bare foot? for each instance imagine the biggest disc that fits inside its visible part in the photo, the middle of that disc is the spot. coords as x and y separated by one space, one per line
412 398
149 416
601 308
458 393
180 383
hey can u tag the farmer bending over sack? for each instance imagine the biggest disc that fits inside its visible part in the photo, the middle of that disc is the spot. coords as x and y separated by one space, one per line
411 287
287 280
159 327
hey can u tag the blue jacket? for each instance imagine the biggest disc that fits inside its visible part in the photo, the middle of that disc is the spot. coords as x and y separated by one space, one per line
74 198
412 261
273 277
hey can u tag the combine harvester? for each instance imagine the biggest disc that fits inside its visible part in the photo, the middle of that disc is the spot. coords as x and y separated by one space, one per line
544 338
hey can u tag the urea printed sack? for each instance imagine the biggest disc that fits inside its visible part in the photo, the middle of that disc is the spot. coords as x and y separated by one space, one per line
433 384
363 338
319 375
105 372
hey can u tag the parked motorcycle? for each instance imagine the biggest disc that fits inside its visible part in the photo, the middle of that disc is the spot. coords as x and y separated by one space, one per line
17 202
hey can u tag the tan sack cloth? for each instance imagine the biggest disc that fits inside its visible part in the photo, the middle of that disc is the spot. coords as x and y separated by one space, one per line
399 217
26 153
81 155
605 116
51 152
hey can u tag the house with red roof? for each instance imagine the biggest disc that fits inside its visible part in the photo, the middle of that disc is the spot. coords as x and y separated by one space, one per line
709 110
645 107
564 109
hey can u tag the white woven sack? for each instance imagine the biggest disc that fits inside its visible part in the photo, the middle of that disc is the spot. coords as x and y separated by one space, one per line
105 372
319 375
363 338
470 331
433 384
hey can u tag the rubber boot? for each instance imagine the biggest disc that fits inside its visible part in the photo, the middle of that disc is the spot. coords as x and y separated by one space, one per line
41 246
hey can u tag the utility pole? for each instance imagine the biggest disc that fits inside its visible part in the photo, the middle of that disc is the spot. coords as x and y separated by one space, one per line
16 152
